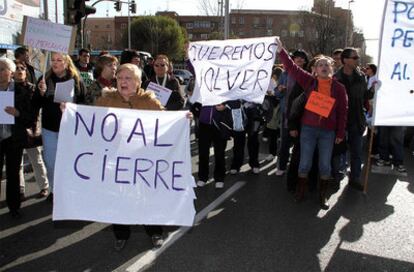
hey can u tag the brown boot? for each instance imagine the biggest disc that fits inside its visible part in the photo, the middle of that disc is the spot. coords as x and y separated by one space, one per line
323 187
300 188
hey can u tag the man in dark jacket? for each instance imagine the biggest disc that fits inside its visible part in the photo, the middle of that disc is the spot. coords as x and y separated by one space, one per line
357 91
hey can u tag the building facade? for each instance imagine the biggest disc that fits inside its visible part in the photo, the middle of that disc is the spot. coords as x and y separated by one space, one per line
317 31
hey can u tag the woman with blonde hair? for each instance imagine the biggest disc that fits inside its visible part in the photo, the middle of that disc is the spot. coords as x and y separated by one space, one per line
130 95
62 69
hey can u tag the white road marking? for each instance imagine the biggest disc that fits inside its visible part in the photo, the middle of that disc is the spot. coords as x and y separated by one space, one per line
151 255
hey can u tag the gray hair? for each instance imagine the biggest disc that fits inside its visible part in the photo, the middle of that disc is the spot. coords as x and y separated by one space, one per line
132 68
9 63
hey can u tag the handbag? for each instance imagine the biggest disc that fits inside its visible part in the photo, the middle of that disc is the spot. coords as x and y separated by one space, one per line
298 107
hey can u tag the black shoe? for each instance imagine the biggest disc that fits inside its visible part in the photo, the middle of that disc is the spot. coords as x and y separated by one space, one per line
157 240
49 198
119 244
15 214
356 185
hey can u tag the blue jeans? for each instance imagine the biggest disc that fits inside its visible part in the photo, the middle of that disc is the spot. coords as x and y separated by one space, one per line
50 140
310 137
391 140
355 149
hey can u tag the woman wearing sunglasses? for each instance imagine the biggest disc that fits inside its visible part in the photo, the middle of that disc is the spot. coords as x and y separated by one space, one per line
34 139
163 78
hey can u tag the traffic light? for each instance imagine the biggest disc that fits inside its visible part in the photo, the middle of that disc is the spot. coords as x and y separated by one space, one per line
133 7
75 10
117 5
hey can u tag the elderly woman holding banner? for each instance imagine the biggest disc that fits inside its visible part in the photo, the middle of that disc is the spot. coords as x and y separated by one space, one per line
319 128
62 70
13 136
130 95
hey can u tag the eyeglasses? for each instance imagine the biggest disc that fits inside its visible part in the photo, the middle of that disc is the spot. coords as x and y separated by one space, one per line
160 65
21 68
354 57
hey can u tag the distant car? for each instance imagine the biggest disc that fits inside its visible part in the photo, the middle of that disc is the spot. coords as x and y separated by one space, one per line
182 75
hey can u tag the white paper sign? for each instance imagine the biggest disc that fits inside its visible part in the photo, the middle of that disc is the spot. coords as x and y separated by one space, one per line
124 166
46 35
232 69
6 100
65 91
394 100
162 93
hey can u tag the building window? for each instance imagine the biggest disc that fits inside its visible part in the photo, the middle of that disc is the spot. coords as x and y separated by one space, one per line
301 33
269 22
189 25
256 21
233 20
283 33
96 26
190 36
241 33
204 36
202 24
241 20
108 26
269 32
123 26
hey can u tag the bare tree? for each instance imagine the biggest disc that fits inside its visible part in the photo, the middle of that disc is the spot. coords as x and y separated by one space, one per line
212 7
324 27
209 7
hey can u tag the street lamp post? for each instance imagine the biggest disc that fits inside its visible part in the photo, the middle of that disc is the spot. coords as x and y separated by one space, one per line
129 24
348 22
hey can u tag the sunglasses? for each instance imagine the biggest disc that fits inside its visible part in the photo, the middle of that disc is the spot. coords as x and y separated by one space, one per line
159 65
21 68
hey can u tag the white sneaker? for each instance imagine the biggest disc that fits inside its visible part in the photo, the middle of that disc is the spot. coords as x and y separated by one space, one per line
270 157
280 173
233 171
256 170
219 185
201 183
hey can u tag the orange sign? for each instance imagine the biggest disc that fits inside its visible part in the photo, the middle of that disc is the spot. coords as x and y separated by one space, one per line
320 104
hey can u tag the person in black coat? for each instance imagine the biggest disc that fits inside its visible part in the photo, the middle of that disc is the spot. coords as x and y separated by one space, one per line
163 78
13 136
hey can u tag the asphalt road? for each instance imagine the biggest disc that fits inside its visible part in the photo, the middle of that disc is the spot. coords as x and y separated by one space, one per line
252 224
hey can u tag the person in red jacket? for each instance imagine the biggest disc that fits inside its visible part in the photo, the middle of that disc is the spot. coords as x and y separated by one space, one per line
316 129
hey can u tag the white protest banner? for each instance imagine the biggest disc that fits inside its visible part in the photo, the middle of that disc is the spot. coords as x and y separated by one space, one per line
394 100
124 166
162 93
46 35
232 69
6 100
65 91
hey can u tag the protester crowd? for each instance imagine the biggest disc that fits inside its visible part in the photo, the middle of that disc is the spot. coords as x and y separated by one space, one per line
310 148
